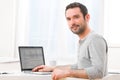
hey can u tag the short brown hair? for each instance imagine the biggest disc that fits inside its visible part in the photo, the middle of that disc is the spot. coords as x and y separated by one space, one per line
82 7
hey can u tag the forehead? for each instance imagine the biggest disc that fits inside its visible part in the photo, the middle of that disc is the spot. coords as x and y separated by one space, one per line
73 11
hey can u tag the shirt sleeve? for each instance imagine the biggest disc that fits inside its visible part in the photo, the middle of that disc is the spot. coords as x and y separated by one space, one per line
98 57
74 67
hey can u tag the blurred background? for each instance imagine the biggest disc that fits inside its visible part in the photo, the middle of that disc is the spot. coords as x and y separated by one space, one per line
42 23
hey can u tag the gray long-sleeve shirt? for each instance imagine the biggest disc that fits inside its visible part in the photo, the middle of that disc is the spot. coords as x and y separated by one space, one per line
92 56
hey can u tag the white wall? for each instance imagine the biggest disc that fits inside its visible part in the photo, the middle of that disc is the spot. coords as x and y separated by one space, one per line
13 66
114 58
7 27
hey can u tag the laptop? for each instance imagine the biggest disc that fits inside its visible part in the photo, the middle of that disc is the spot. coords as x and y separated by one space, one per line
30 57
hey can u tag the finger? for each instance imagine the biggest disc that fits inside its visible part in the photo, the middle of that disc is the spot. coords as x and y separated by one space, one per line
54 76
37 68
34 69
41 70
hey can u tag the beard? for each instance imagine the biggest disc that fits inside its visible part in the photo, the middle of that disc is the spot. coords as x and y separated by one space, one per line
78 29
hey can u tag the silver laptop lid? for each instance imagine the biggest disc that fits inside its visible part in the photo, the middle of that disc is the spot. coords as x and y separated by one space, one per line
30 57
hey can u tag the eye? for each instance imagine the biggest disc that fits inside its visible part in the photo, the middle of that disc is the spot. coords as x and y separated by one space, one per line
76 16
68 19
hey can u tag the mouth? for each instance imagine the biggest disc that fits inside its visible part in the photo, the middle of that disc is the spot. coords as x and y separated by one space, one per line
74 27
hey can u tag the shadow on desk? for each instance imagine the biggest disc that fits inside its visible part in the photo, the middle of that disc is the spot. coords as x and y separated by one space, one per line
112 77
77 79
108 77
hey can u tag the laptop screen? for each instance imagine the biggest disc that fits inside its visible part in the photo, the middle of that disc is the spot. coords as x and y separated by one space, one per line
30 57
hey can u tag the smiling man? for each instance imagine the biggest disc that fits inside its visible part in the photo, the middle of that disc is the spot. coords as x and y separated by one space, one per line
92 48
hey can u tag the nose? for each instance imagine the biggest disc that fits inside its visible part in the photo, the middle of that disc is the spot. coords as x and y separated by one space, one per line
72 22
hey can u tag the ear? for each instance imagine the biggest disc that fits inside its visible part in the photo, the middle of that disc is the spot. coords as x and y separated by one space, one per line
87 17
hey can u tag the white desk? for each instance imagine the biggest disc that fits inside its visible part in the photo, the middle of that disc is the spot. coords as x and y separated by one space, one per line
22 76
15 66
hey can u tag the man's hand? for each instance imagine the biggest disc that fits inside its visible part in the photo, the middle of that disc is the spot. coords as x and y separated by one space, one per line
60 73
43 68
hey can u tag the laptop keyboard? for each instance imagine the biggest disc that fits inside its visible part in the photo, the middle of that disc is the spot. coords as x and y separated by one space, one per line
40 73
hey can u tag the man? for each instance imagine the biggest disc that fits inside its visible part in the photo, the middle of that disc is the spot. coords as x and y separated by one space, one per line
92 49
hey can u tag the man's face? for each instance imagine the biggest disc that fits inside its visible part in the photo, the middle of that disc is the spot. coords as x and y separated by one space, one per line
76 21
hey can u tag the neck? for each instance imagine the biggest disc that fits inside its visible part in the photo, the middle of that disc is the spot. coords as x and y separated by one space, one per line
85 33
